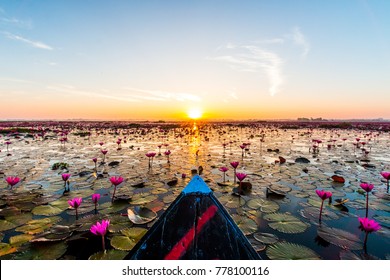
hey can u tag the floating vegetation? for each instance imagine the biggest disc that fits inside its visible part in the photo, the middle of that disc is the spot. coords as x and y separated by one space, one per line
278 199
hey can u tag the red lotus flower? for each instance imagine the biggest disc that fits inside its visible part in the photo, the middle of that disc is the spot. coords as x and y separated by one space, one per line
369 225
223 169
65 176
12 181
101 229
116 180
94 160
386 175
234 164
95 197
323 195
241 176
104 152
75 202
367 187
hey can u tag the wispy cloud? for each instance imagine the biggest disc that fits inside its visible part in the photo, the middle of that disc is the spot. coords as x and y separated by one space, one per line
26 24
300 40
74 91
35 44
159 95
249 58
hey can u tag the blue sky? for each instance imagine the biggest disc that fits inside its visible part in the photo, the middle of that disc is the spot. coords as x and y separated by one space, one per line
158 59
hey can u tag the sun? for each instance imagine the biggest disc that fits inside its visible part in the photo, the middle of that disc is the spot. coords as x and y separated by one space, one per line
194 113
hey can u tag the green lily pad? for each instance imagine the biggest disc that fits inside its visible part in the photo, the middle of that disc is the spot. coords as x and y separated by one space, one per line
6 249
159 191
45 251
109 207
38 226
5 225
265 206
141 215
231 201
313 213
290 251
109 255
285 223
142 198
127 241
246 225
118 223
20 239
266 238
340 238
19 219
46 210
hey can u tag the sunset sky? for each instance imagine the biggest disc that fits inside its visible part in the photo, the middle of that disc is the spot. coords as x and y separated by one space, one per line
229 59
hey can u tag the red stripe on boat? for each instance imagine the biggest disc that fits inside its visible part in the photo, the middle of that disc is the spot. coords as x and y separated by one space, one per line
181 247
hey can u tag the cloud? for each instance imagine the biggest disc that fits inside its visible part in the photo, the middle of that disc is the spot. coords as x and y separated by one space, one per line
16 22
300 40
73 91
35 44
249 58
159 95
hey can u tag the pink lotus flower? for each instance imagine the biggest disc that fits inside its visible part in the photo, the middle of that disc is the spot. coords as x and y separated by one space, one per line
104 152
369 225
101 143
183 175
386 175
75 203
367 187
115 181
101 229
167 153
95 198
234 164
94 160
12 181
223 169
323 195
241 176
150 155
65 176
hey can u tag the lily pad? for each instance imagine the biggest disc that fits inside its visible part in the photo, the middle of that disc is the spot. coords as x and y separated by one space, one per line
340 238
142 198
38 226
46 251
5 225
109 255
246 225
129 238
285 223
231 201
266 238
141 215
290 251
265 206
20 239
46 210
6 249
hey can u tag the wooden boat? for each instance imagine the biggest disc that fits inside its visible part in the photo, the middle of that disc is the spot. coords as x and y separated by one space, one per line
194 227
